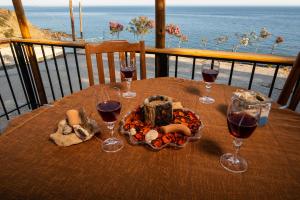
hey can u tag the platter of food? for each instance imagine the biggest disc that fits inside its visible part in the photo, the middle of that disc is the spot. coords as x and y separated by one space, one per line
165 125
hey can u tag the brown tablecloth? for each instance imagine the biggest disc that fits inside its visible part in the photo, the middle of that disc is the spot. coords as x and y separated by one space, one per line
32 167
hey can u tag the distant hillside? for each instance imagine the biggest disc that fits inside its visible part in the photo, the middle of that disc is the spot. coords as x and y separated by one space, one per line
9 28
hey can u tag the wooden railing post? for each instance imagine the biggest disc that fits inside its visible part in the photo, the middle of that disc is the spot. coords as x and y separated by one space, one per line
72 19
161 60
25 75
290 83
80 19
19 10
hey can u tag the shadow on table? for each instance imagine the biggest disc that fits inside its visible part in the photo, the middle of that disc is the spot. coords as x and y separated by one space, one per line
222 108
117 85
211 147
193 90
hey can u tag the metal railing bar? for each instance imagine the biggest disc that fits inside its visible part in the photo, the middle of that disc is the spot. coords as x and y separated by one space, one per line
126 58
212 64
231 73
193 70
176 66
13 110
168 64
48 73
4 108
56 68
9 83
19 73
77 68
252 75
30 74
273 81
67 68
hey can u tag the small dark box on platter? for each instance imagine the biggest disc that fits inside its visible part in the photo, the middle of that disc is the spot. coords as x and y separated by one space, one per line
158 110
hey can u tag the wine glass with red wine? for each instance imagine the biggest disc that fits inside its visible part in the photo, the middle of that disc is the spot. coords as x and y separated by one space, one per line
109 108
210 71
242 120
128 70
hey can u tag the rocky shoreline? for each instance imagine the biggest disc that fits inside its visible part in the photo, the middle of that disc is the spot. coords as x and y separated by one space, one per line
9 28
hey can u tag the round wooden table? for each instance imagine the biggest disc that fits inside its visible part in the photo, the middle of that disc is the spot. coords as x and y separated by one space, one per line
32 167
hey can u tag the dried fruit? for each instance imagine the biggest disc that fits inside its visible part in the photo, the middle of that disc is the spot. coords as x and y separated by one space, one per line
135 120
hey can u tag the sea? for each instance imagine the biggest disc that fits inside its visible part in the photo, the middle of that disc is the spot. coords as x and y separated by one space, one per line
198 23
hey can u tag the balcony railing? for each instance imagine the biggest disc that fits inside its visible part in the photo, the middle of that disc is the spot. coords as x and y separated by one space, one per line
20 91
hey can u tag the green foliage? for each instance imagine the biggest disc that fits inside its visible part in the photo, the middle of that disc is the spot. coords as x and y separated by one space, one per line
140 26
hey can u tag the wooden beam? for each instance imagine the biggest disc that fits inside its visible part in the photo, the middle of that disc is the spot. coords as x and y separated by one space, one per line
160 23
23 24
290 84
24 28
80 19
72 19
78 44
226 55
161 61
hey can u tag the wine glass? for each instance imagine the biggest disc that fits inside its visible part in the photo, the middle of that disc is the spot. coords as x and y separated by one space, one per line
242 120
127 72
210 71
109 108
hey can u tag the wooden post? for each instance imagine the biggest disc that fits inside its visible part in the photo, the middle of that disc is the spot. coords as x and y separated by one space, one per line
161 60
72 19
19 10
25 75
290 82
80 19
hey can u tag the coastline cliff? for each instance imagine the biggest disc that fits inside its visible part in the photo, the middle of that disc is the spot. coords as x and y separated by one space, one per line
9 28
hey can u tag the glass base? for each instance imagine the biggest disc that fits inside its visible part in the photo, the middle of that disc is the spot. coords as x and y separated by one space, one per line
129 94
237 165
206 100
112 145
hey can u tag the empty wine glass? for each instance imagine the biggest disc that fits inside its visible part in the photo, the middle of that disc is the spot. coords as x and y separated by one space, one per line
210 71
127 72
109 108
242 120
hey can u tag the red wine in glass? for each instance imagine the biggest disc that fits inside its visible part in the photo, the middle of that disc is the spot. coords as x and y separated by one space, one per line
210 75
242 120
241 125
128 72
210 71
109 110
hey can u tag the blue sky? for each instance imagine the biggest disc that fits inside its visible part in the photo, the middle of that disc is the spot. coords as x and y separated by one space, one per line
151 2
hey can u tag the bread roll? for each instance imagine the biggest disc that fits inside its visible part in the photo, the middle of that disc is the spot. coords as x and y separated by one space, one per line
73 117
177 128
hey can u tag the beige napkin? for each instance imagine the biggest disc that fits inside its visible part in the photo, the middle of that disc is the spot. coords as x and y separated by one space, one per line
75 129
67 140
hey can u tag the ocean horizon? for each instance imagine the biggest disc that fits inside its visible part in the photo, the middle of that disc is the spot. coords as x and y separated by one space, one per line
197 22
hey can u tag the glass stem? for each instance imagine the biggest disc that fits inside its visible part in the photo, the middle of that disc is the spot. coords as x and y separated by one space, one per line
111 126
237 143
128 81
208 88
